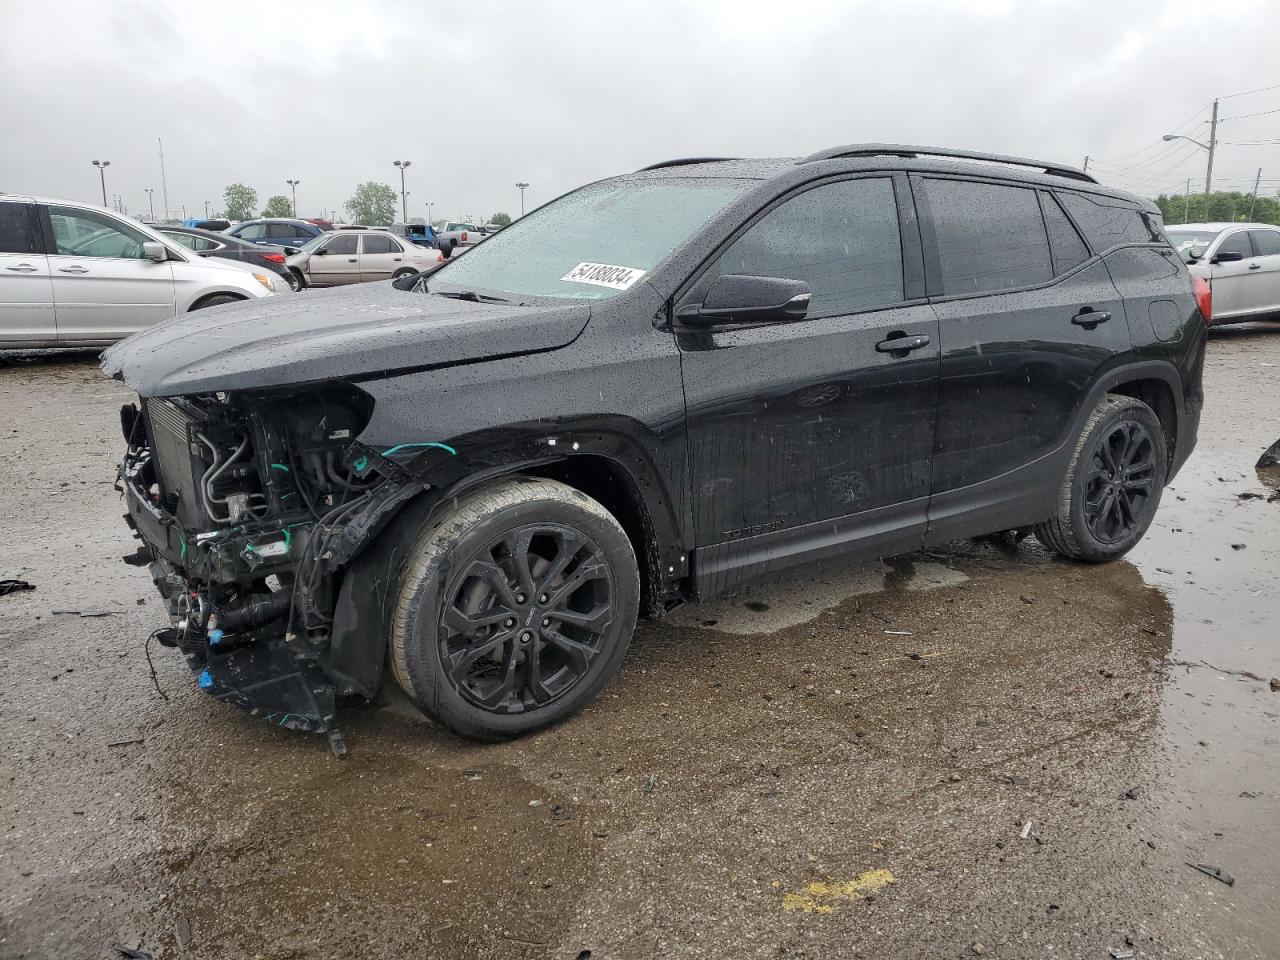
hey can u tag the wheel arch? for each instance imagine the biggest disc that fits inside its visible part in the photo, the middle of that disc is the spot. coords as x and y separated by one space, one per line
357 648
1157 394
204 298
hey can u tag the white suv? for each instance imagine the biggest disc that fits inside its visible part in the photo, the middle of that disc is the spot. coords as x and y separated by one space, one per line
76 275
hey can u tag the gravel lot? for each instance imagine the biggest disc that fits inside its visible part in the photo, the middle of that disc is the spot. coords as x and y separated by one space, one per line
980 750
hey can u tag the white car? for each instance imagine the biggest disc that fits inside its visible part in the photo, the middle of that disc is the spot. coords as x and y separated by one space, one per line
358 255
77 275
1241 261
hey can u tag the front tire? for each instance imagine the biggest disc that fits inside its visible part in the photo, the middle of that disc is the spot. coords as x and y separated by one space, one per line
296 280
1113 485
514 608
216 300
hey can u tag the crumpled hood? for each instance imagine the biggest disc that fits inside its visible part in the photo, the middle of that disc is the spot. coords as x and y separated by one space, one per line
349 332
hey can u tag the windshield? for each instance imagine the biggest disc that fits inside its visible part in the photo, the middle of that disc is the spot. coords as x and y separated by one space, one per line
314 242
1190 244
592 244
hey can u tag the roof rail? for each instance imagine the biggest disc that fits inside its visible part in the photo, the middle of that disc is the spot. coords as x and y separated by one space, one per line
684 161
905 150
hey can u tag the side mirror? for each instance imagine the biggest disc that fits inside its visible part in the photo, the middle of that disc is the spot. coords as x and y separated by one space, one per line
736 298
323 251
1227 256
155 251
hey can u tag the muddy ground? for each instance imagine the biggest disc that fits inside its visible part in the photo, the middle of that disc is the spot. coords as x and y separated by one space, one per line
980 750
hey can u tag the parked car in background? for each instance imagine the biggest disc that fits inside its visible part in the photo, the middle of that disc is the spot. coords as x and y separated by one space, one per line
422 234
73 275
358 256
206 243
1240 262
283 232
651 390
320 222
202 223
463 234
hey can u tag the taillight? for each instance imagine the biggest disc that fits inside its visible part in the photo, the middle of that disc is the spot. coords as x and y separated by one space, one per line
464 236
274 257
1204 297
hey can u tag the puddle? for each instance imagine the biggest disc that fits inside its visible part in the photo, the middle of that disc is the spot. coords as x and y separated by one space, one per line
778 603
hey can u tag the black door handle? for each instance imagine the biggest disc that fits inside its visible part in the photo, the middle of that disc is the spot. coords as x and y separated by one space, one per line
1090 318
899 344
1255 266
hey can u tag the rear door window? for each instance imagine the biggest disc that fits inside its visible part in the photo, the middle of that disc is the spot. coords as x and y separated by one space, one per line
989 236
1266 242
1107 225
1065 243
19 232
254 231
841 238
379 243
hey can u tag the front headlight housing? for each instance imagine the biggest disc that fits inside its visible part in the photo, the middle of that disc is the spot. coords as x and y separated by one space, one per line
268 281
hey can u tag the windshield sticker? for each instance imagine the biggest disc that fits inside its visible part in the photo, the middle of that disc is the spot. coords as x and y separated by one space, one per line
604 275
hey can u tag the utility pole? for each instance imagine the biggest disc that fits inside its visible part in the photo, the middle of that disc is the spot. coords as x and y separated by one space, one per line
206 209
404 202
521 187
1208 170
164 184
151 200
1186 203
1085 168
294 186
1254 199
102 175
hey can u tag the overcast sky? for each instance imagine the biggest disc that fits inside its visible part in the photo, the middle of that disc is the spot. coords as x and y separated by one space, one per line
479 95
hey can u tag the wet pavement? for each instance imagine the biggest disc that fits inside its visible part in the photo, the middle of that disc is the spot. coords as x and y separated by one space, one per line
982 750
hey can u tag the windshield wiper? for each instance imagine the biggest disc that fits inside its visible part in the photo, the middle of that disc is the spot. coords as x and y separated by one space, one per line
470 295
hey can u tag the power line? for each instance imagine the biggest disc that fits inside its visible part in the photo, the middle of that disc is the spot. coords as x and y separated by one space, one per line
1246 116
1245 93
1185 123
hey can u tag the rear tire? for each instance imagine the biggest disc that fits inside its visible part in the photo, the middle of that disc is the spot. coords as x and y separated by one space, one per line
1113 485
515 607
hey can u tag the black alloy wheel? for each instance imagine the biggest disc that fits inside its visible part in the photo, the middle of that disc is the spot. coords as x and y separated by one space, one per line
527 617
1120 483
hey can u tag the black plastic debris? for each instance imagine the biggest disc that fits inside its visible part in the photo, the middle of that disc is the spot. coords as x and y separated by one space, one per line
13 586
1216 872
130 954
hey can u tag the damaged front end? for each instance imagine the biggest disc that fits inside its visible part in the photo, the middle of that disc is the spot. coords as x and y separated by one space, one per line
250 506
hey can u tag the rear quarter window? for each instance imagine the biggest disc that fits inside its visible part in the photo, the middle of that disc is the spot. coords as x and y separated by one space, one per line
1109 224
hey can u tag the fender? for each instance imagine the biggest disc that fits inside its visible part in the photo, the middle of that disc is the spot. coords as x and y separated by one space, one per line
357 645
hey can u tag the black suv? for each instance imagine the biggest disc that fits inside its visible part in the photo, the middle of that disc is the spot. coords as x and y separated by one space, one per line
645 392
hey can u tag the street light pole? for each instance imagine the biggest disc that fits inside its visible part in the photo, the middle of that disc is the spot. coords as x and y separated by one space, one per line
151 200
429 206
1209 147
404 202
294 185
206 209
102 175
521 188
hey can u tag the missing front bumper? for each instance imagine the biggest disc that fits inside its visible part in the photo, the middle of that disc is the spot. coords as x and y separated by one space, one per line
267 680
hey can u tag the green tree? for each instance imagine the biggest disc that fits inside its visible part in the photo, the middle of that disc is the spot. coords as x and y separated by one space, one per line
373 204
240 201
500 219
1223 206
278 206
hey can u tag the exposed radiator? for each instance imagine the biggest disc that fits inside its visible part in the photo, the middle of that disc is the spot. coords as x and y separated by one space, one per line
171 435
